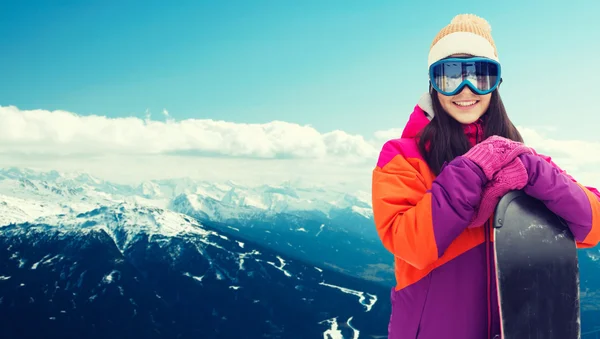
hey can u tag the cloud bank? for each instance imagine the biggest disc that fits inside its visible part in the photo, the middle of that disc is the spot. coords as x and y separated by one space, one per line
65 133
132 149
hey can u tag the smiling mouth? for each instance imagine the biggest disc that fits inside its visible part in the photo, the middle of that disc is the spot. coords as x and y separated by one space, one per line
466 103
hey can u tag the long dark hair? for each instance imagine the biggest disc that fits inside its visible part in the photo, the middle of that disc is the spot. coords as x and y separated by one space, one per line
443 139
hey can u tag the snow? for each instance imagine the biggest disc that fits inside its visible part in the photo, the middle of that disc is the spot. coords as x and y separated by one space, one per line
362 299
355 332
282 264
150 189
242 257
197 278
156 208
320 229
333 332
109 278
231 200
45 260
18 210
195 203
594 256
364 211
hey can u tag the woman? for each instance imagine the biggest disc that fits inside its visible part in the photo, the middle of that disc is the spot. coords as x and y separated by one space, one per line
434 190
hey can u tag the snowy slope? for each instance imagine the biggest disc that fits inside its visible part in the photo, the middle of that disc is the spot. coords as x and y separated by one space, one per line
125 268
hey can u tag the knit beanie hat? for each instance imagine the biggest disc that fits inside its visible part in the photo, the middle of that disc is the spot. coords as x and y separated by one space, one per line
466 34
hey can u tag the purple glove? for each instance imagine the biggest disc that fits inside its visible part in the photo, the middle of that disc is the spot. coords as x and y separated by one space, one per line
494 153
511 177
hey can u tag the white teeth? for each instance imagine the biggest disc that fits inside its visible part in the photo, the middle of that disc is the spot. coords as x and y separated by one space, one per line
465 103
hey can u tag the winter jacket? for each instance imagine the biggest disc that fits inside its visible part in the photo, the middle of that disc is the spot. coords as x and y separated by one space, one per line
445 271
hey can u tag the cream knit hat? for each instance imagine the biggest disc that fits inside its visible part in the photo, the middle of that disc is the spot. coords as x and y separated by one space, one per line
466 34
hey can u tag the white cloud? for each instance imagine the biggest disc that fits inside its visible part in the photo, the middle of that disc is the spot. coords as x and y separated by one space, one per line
132 149
578 152
581 159
65 133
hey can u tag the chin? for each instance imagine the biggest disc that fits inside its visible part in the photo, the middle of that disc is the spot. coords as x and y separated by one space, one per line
465 120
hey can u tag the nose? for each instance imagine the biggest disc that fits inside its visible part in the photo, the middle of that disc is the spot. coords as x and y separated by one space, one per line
467 88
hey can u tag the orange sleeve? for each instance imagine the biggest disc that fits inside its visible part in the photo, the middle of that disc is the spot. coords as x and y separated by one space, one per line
593 237
416 215
402 213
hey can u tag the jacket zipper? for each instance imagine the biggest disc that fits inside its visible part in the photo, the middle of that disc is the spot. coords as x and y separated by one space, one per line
489 282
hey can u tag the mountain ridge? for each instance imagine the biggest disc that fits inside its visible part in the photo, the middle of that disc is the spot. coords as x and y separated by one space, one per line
134 244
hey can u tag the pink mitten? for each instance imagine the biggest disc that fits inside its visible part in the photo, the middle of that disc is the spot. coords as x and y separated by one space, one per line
494 153
511 177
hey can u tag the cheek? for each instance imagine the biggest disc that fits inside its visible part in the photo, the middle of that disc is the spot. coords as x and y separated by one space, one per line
446 102
486 102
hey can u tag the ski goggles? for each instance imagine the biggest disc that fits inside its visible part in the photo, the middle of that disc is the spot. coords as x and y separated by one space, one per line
450 76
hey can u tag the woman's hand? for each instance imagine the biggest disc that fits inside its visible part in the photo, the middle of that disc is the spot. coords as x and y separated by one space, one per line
511 177
494 153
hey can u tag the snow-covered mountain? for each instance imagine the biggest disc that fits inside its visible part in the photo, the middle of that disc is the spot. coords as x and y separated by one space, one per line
83 257
324 227
127 270
235 200
215 201
232 201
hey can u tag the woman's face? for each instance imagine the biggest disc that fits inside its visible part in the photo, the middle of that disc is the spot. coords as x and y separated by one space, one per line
465 107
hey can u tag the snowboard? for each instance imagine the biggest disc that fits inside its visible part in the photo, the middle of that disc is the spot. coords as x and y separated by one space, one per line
537 271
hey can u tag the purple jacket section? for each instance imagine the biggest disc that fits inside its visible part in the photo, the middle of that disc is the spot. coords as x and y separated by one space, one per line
448 303
559 193
455 196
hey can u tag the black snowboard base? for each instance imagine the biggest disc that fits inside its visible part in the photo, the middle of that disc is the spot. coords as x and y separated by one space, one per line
537 271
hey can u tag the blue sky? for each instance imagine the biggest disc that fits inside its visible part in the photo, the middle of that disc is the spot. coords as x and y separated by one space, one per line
275 90
357 66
